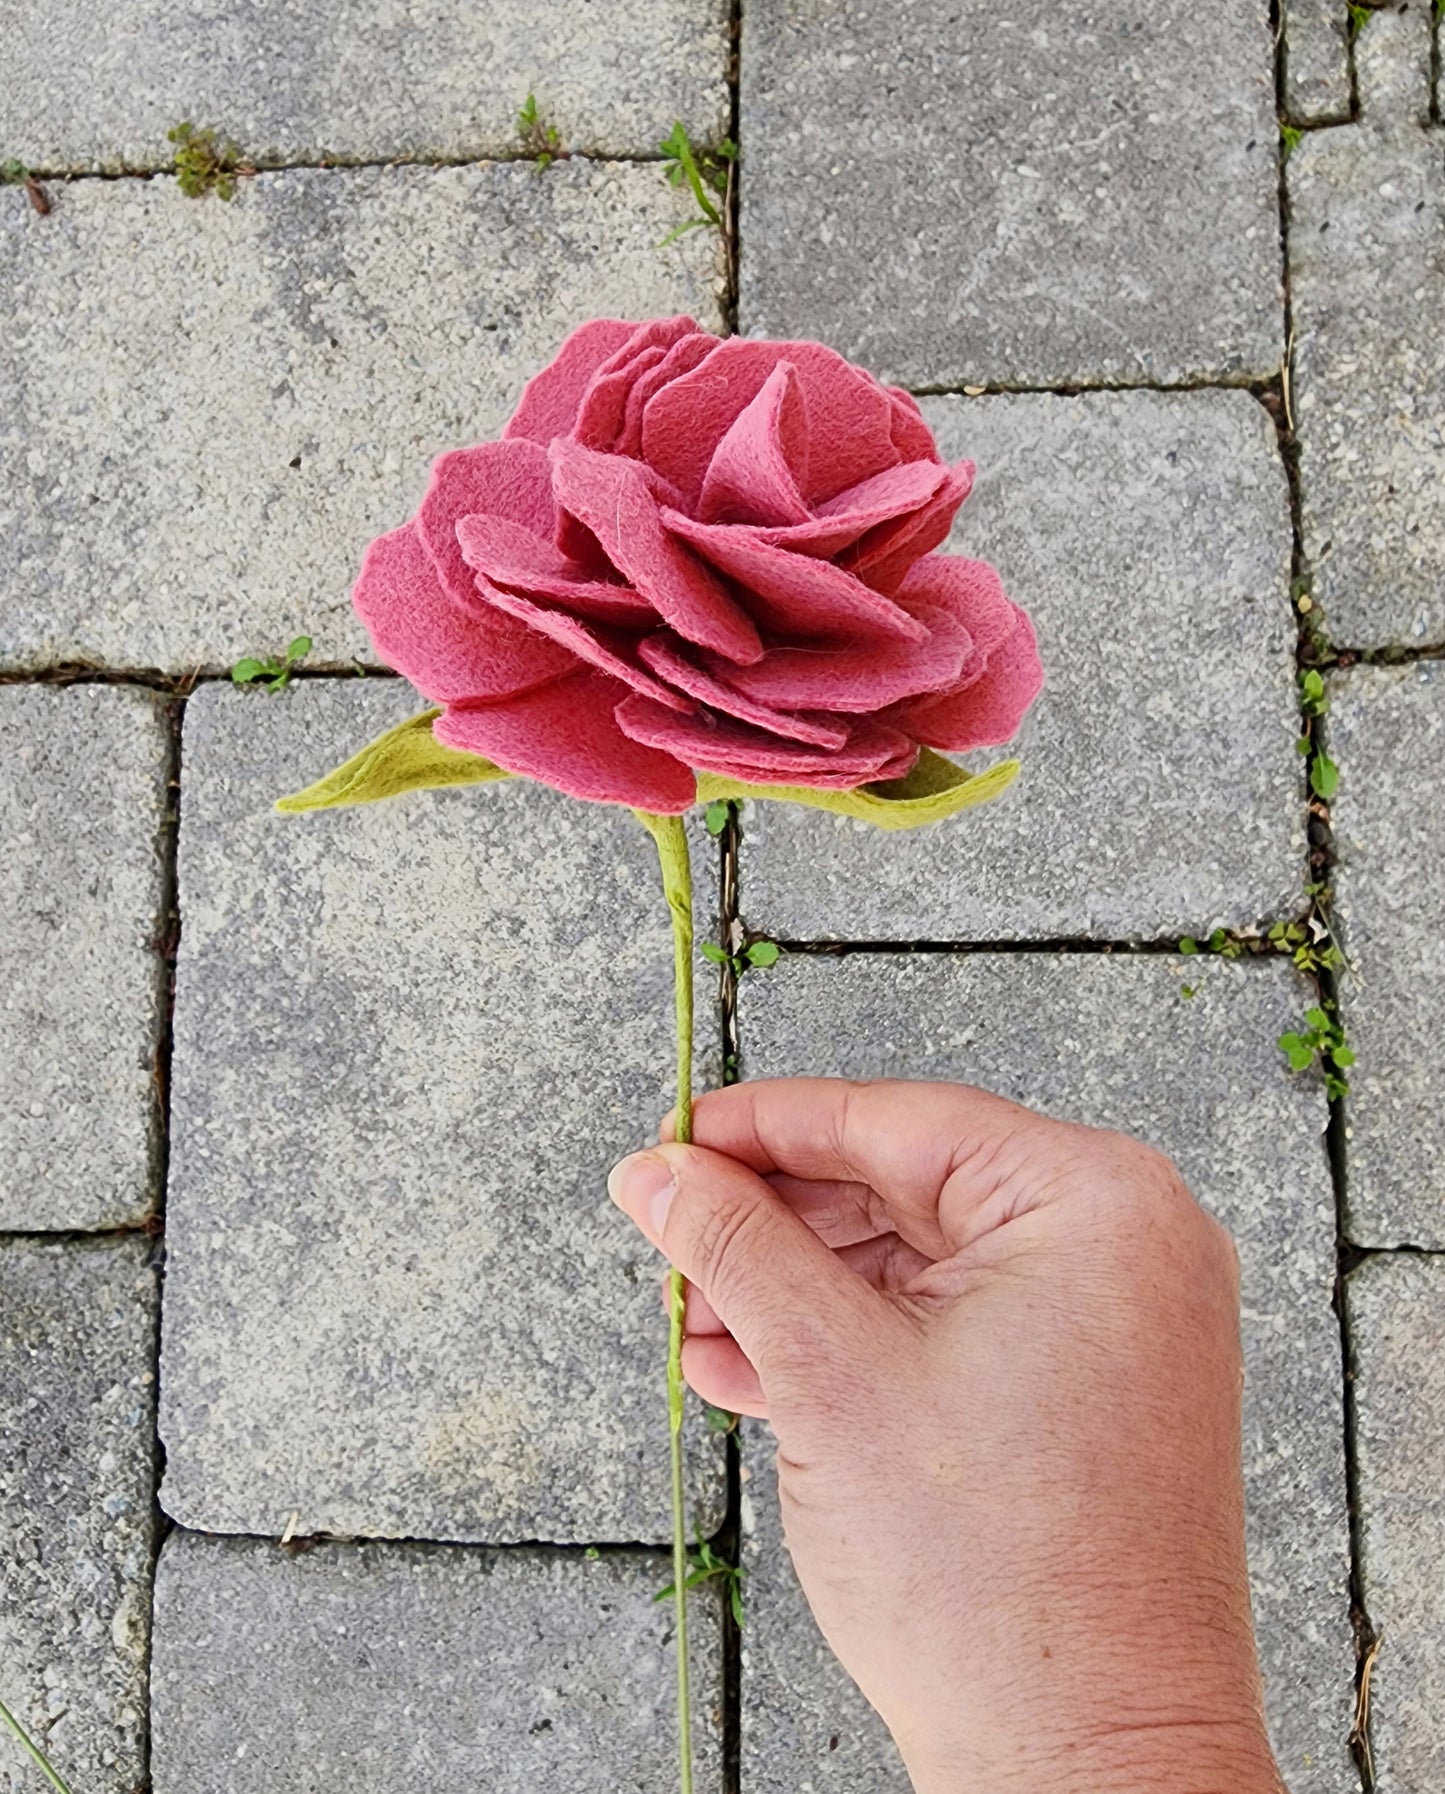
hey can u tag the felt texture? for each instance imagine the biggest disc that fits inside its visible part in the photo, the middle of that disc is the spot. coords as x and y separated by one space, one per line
699 555
407 758
933 791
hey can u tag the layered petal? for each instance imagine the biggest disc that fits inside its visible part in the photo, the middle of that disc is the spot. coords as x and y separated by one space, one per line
566 735
755 470
551 400
609 650
911 435
798 594
873 750
685 354
860 678
885 554
447 650
665 658
509 555
971 592
989 707
849 415
604 404
506 479
614 498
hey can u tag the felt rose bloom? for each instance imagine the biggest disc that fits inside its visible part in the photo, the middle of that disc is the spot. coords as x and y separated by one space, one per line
691 554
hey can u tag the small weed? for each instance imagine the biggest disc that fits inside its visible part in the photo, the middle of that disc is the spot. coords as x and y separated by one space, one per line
14 173
1359 18
1221 942
205 163
716 816
719 1420
1290 137
707 1566
758 953
540 140
33 1750
272 673
592 1554
707 174
1322 1039
1308 945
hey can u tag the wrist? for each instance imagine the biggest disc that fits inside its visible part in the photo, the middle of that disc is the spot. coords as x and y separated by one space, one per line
1166 1757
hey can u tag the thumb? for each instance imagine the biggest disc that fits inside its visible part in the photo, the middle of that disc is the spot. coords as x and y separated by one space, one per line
768 1277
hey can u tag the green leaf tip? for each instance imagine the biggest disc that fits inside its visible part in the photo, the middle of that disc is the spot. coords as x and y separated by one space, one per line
407 758
935 789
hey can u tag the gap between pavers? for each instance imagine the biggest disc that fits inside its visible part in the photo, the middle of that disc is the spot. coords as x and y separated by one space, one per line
1148 535
1113 1042
214 407
410 1040
374 1667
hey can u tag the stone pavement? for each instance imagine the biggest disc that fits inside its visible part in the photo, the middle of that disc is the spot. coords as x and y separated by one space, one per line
331 1434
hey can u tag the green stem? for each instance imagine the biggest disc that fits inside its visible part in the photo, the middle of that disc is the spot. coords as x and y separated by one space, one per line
32 1750
670 834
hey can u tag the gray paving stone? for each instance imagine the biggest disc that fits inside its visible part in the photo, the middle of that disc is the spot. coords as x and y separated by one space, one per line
216 406
1148 536
382 1667
1367 208
1316 61
410 1040
1013 193
95 86
1112 1041
1396 1312
1386 732
82 804
76 1446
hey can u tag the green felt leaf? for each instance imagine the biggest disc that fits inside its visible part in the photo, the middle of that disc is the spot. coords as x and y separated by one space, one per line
936 788
407 758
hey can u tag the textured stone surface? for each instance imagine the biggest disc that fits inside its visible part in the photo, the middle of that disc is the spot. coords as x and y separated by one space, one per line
94 86
1014 193
382 1667
217 406
76 1448
1367 270
410 1040
1316 60
1148 535
1387 735
1396 1312
82 799
1111 1041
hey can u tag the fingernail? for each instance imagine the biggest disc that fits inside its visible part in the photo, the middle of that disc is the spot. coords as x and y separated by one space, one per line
642 1187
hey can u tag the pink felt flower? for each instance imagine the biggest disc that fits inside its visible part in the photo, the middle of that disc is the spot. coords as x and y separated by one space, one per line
691 552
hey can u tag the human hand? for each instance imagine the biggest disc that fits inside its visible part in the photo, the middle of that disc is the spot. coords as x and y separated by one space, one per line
1000 1355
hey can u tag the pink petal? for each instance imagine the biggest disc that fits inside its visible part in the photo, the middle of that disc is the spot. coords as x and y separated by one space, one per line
911 435
851 514
604 404
716 744
506 479
971 592
566 735
662 655
751 477
509 555
609 650
885 554
988 710
613 497
849 415
681 358
862 677
446 649
802 596
549 401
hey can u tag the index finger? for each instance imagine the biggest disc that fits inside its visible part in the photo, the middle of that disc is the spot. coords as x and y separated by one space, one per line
906 1142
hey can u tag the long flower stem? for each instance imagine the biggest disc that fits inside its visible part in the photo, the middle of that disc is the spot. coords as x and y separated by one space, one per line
670 834
32 1749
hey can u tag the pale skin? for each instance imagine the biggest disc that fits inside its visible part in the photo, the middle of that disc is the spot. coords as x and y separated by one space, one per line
1000 1357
